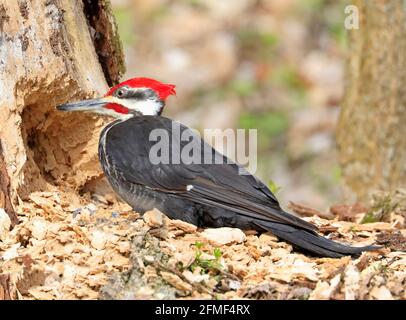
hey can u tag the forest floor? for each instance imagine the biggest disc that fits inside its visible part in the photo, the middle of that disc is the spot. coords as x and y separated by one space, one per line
65 249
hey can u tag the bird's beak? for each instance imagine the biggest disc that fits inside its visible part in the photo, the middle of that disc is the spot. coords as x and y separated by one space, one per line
85 105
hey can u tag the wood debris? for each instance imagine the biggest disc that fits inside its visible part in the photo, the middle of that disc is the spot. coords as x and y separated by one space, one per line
381 293
83 250
348 212
305 211
5 224
154 218
221 236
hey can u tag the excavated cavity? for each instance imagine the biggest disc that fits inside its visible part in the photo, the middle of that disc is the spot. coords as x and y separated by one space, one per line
41 143
60 148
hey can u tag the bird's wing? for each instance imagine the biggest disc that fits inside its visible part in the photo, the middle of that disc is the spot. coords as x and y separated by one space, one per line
128 147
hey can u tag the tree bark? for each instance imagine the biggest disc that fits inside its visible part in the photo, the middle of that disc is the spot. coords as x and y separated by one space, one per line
52 51
371 132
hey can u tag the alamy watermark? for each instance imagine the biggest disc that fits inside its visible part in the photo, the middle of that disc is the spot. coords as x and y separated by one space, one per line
185 146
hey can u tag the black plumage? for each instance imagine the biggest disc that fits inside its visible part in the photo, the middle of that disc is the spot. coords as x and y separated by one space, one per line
207 195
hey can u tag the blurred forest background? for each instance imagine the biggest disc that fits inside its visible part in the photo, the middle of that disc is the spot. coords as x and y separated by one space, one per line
274 65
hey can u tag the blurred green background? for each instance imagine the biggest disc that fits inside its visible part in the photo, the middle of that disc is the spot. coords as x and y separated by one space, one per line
273 65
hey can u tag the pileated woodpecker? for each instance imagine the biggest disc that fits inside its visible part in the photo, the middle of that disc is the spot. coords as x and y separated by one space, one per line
206 195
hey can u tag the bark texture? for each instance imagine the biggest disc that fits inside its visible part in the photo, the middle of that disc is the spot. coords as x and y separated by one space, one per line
52 51
372 128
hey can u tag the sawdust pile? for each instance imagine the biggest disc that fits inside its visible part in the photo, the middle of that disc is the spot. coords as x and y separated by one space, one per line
97 248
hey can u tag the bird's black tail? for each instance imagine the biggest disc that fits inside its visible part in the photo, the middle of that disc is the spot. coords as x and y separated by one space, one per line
311 241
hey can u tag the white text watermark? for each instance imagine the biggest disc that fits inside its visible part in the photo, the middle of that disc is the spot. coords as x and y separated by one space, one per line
185 146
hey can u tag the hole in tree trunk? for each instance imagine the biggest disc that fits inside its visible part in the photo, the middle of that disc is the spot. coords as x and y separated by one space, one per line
57 145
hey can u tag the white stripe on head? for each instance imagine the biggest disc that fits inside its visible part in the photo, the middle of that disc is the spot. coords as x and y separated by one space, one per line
150 106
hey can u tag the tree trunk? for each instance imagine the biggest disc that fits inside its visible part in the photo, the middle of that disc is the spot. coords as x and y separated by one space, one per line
372 128
52 51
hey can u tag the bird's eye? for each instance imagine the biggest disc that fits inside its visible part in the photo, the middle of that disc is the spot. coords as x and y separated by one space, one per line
120 93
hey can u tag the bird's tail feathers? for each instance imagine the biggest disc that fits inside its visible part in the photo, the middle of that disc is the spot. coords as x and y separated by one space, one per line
312 242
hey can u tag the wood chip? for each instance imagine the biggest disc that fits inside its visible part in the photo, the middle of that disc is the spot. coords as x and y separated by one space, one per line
348 212
374 226
98 239
179 224
11 253
195 278
38 294
154 218
222 236
5 224
352 280
305 211
39 228
176 281
325 290
381 293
